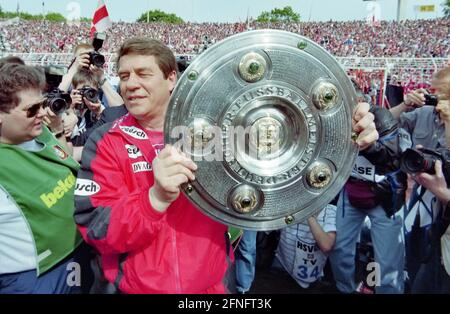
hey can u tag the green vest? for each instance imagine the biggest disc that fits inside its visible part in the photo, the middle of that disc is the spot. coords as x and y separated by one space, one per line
42 184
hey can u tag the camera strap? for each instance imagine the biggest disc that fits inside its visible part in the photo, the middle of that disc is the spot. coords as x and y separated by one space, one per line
421 204
71 63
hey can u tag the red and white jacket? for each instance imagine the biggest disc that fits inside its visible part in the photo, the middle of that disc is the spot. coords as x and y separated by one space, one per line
142 250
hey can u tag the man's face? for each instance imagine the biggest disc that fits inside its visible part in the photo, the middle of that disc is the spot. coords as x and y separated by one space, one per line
144 89
16 126
441 87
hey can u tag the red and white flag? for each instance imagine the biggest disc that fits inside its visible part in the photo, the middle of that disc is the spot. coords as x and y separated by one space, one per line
101 21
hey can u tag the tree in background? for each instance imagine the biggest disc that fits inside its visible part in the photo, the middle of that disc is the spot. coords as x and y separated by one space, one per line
160 16
54 17
51 16
285 14
446 8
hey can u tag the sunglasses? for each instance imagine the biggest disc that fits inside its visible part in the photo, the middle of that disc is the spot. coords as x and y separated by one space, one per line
34 109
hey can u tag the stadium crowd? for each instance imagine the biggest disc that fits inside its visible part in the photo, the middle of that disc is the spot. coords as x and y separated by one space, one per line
411 38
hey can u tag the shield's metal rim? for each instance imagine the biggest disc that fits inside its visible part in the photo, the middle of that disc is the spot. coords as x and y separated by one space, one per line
263 224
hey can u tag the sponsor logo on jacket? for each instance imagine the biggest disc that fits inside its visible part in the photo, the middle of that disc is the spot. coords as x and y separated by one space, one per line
134 132
60 152
133 151
86 187
141 166
59 191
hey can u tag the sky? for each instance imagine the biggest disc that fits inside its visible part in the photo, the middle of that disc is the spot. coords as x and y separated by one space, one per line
228 10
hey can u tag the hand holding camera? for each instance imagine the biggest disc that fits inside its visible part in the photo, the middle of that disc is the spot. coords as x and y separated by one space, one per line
98 72
87 97
443 108
414 161
416 98
435 183
82 61
431 169
69 120
91 58
57 101
95 57
77 99
95 107
53 121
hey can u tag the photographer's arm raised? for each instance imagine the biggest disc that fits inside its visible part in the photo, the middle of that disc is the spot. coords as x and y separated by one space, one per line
81 61
414 99
113 98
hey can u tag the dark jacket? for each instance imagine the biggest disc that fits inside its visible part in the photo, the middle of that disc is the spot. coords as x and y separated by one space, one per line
385 156
108 115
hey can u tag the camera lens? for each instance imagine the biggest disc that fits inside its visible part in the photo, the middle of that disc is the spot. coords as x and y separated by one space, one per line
98 60
57 105
91 95
413 161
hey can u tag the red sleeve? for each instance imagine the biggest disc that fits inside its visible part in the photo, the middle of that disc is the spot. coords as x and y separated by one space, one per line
110 216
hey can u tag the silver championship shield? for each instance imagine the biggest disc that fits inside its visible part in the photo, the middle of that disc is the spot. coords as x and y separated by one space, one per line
266 115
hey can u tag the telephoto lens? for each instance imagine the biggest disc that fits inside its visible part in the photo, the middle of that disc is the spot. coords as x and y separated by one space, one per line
58 101
57 105
414 161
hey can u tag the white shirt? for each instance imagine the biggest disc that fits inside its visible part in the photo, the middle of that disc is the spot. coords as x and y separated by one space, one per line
298 252
17 248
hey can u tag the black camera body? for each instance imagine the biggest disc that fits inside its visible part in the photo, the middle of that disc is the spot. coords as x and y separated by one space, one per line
431 100
89 93
95 57
182 63
58 101
423 160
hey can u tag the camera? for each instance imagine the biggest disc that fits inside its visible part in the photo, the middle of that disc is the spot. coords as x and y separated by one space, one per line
431 100
423 160
95 57
182 63
57 100
89 93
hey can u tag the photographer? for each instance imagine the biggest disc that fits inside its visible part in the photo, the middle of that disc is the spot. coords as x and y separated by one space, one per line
426 122
83 61
86 102
376 189
426 116
432 276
